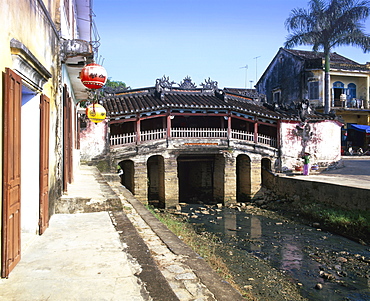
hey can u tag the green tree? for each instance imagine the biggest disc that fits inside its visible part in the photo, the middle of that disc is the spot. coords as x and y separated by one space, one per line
115 84
326 25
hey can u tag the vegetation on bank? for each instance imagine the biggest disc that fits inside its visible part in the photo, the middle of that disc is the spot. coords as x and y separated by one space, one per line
351 223
205 245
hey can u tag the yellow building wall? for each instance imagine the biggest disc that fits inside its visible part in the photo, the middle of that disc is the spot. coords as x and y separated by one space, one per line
28 22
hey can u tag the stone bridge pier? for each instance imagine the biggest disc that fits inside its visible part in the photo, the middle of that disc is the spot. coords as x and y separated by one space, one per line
168 178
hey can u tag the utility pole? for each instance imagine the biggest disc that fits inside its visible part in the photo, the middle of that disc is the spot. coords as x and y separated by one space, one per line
255 58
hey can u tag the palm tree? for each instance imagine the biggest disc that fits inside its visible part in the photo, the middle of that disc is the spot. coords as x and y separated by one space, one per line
328 24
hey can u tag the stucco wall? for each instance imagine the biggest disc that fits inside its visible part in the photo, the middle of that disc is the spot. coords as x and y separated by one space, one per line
93 140
320 139
27 23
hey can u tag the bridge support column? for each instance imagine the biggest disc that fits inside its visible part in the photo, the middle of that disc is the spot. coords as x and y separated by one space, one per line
171 182
256 178
141 181
230 180
218 179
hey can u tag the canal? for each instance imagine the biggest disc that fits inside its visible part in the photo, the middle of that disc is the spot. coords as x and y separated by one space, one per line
259 250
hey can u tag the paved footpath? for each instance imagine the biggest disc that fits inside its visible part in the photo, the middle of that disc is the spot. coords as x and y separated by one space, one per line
112 255
354 171
79 257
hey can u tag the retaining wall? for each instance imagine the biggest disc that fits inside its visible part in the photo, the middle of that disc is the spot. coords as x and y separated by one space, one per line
337 195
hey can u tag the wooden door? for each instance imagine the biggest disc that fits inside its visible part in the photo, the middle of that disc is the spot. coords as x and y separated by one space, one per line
44 163
11 218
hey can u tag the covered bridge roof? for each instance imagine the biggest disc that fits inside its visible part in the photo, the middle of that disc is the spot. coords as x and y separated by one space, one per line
164 96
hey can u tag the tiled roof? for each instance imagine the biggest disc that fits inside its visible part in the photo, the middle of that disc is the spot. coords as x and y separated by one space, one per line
252 93
337 61
312 55
149 99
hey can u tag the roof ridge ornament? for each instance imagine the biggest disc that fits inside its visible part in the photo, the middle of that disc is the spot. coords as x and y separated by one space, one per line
209 84
164 83
187 83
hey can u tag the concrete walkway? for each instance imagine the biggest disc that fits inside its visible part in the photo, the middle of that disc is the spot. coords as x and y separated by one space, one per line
79 257
109 255
353 172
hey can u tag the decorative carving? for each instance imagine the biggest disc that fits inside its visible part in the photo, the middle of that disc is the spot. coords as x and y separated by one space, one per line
72 48
209 84
304 109
164 83
187 84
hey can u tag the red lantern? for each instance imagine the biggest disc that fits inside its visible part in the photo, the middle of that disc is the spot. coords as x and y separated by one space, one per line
93 76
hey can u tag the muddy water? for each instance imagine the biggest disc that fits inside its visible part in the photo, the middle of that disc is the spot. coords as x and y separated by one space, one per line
323 266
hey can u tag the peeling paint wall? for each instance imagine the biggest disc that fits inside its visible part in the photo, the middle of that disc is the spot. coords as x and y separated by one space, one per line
93 140
320 139
285 75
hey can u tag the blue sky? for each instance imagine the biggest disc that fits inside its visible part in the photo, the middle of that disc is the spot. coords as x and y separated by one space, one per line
142 40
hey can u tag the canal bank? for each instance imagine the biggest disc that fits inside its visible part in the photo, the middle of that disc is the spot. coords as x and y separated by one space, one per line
276 257
346 184
47 269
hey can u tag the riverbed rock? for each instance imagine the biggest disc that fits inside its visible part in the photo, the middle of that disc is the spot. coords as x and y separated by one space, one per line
318 286
326 275
260 202
342 259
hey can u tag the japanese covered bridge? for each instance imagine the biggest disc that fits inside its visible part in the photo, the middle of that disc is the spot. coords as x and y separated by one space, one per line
189 144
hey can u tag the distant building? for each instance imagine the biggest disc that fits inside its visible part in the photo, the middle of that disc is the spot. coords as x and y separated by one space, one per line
296 75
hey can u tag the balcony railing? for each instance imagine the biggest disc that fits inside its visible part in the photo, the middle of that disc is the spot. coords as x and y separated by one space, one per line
190 133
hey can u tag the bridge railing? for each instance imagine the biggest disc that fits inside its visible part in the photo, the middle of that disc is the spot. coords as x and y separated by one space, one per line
123 139
198 133
242 135
153 135
263 139
190 133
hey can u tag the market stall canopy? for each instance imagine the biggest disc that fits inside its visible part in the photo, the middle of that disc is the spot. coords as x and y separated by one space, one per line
359 127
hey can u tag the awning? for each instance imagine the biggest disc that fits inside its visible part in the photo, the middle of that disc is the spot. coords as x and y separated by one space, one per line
359 127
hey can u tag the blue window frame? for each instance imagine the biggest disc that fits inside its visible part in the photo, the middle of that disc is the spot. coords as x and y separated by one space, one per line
351 90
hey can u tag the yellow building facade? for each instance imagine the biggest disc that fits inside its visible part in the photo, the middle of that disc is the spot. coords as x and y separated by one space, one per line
37 101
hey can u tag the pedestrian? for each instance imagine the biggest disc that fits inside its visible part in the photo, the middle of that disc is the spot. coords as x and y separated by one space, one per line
306 164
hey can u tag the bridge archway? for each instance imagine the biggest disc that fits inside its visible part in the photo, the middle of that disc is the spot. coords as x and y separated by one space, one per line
265 167
201 178
156 188
243 178
127 178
